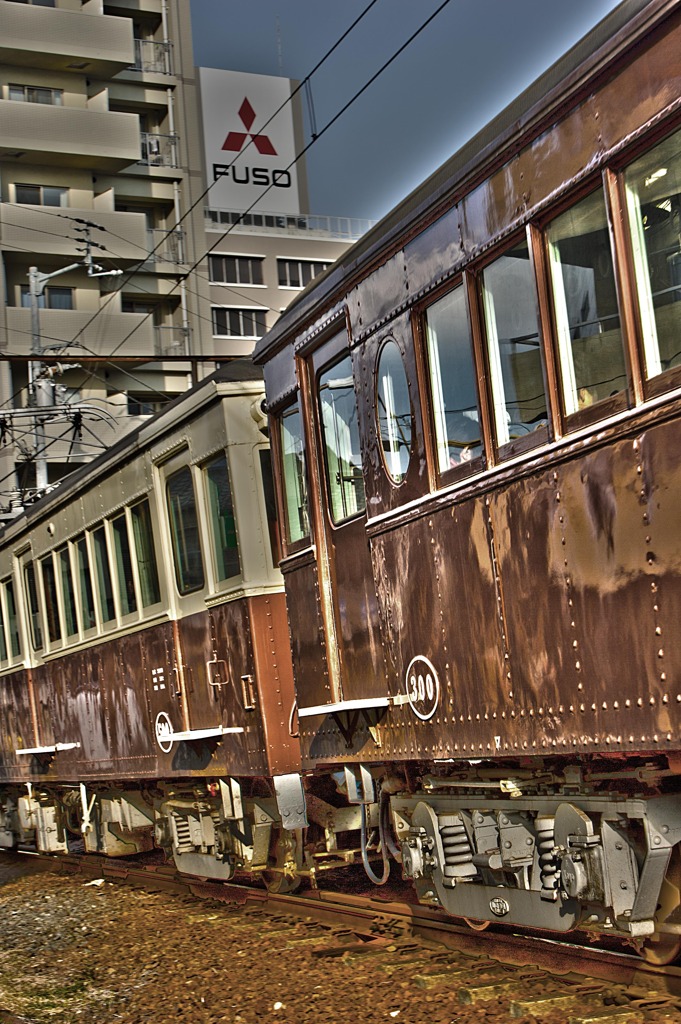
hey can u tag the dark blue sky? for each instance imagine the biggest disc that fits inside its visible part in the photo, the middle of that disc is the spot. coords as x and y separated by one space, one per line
473 59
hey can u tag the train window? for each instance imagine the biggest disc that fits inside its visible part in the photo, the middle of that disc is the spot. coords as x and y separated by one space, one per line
150 590
103 571
393 407
126 582
585 302
50 596
3 639
33 605
294 475
340 434
452 374
67 592
514 350
222 522
12 620
653 190
184 529
87 601
270 504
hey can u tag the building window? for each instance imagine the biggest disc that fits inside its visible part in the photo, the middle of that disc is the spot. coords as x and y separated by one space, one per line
41 195
235 269
36 94
298 273
145 403
51 298
238 323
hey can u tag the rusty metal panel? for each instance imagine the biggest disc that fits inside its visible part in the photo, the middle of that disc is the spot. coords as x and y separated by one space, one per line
310 668
431 255
274 682
378 295
646 86
634 97
16 725
216 653
362 665
280 376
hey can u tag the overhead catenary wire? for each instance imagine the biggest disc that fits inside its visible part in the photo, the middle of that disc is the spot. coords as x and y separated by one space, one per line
182 278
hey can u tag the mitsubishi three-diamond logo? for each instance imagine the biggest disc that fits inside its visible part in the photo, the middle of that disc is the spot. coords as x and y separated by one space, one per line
235 141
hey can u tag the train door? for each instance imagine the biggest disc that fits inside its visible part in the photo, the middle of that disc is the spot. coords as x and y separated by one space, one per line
345 569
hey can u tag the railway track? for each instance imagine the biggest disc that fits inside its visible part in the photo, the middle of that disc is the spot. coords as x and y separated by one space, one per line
511 976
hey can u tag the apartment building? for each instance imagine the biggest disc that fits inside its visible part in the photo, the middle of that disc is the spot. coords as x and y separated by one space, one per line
104 167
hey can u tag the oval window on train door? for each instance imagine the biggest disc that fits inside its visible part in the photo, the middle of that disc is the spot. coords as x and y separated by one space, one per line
393 411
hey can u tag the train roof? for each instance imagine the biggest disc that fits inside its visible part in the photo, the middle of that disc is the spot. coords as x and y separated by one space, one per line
238 371
528 115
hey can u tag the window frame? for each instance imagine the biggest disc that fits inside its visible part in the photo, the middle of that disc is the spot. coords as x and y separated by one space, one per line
305 541
239 311
542 435
287 261
63 191
395 480
463 470
341 352
220 582
172 471
253 263
612 405
667 379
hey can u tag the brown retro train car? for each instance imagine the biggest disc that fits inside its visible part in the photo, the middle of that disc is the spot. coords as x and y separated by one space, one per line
476 415
145 672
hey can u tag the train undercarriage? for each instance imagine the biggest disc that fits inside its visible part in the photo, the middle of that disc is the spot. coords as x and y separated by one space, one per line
599 853
523 851
215 829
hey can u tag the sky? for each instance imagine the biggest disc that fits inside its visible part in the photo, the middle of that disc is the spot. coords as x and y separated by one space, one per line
473 59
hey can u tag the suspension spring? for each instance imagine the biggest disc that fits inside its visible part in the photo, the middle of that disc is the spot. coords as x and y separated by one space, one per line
548 864
456 845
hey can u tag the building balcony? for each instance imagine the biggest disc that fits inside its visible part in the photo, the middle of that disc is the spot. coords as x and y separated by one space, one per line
72 332
61 40
36 133
152 58
158 150
120 239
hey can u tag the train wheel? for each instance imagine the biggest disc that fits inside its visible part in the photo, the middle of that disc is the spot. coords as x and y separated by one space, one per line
477 926
285 862
660 949
664 948
279 883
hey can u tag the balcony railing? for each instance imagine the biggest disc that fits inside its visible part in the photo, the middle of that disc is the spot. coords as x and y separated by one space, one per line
158 150
302 225
172 340
166 246
152 57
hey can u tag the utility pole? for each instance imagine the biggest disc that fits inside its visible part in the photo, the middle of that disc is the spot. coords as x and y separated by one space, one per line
39 387
41 392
